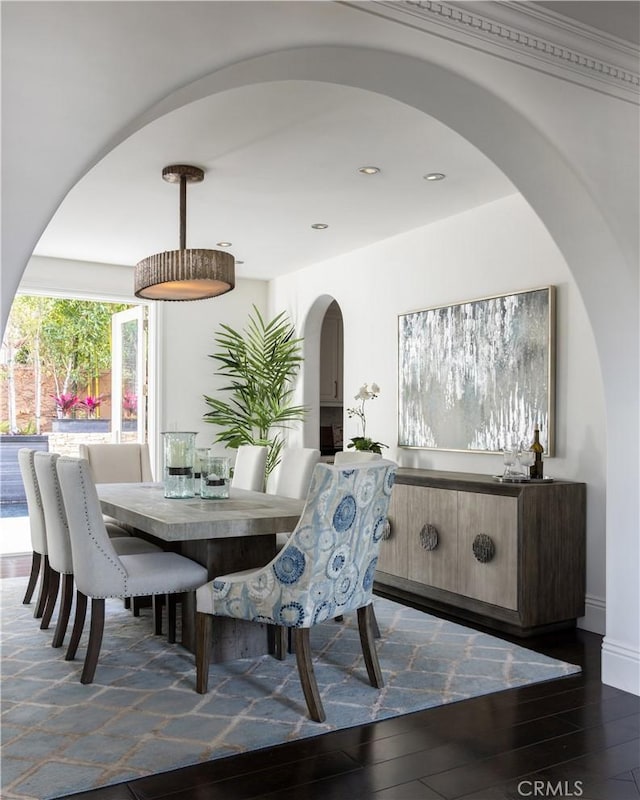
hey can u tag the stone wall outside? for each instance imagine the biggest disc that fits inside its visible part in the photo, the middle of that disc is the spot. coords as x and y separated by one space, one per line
67 444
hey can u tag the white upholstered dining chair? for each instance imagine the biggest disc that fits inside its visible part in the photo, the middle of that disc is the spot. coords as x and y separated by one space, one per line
128 462
292 478
40 557
118 463
248 471
326 568
355 456
293 473
59 547
100 572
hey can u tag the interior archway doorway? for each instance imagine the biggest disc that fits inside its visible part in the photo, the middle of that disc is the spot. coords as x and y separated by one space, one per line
331 394
577 221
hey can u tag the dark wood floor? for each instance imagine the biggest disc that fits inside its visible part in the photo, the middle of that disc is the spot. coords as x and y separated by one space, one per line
568 738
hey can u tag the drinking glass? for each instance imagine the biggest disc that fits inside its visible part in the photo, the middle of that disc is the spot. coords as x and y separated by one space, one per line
527 457
511 458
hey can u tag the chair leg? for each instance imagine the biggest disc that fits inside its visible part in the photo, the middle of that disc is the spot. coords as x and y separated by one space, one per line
66 598
158 602
44 589
277 641
52 596
204 640
140 602
368 646
307 676
36 560
95 640
374 623
172 606
78 625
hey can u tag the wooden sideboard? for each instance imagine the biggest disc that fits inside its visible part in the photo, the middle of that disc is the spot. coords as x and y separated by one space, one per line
508 556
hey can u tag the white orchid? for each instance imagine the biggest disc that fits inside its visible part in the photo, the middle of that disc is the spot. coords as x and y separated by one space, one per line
366 392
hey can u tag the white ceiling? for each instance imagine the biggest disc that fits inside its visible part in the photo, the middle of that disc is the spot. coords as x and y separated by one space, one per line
277 158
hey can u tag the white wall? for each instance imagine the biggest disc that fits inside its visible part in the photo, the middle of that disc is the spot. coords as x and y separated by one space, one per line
59 276
499 247
188 331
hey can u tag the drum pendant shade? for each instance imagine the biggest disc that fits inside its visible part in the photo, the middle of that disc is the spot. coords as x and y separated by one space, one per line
184 274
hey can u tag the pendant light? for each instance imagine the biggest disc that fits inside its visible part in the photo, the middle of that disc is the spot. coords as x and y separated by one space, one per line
184 274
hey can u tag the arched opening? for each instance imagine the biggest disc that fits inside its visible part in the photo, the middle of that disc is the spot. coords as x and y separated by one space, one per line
312 331
570 213
331 381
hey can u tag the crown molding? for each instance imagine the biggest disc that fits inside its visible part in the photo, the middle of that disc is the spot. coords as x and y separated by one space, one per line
527 34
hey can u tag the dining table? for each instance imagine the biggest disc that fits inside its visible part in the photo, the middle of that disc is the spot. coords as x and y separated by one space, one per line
224 535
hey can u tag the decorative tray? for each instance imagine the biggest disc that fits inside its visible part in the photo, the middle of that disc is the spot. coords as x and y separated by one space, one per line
502 479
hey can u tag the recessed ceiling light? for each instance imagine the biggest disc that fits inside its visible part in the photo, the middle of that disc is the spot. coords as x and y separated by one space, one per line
435 176
223 244
319 226
369 170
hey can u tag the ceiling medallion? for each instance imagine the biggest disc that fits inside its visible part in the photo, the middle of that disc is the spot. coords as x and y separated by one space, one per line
184 274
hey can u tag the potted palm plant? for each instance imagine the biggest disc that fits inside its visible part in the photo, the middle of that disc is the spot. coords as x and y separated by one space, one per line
262 364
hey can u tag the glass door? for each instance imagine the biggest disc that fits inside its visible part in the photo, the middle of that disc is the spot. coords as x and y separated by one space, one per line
129 375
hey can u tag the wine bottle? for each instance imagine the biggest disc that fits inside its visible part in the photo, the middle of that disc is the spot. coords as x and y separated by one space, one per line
536 469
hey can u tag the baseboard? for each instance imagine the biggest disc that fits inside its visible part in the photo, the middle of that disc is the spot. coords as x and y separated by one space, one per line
595 615
620 666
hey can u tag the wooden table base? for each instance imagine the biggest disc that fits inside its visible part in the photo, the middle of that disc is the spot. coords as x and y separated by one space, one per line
231 638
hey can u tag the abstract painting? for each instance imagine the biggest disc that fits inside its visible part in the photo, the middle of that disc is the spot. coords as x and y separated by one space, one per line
472 376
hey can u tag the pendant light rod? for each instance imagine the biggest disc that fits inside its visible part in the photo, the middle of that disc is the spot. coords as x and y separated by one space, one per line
183 174
183 212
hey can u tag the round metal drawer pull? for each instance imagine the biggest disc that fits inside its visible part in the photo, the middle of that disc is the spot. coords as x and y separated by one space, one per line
429 537
386 531
483 548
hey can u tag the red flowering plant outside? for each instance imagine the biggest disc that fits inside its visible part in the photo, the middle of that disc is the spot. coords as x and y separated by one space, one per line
65 404
91 404
130 405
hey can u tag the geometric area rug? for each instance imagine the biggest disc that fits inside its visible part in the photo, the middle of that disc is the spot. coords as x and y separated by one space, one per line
141 715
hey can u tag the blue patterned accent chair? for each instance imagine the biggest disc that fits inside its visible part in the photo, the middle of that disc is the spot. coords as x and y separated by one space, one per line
326 568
